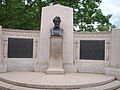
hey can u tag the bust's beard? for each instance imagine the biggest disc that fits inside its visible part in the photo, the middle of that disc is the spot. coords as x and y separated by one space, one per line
58 27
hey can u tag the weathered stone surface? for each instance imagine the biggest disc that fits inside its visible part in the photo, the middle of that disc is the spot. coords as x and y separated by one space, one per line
2 63
70 68
115 48
62 82
48 13
91 66
56 56
40 67
114 71
109 86
91 36
17 64
114 63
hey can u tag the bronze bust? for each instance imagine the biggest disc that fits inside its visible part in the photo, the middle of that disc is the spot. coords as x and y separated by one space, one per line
56 30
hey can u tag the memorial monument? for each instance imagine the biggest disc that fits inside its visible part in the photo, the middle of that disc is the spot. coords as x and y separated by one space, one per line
54 20
56 48
58 58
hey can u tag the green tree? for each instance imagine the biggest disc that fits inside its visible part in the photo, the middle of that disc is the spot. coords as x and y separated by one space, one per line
26 14
86 14
22 14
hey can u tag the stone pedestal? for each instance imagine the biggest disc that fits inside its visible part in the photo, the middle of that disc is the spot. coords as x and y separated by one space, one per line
56 56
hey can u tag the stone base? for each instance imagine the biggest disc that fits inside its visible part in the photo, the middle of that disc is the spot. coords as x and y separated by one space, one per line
56 56
40 67
55 71
20 64
2 68
113 71
69 68
69 81
90 66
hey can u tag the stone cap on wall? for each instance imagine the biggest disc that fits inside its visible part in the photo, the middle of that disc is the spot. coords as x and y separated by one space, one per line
86 32
19 30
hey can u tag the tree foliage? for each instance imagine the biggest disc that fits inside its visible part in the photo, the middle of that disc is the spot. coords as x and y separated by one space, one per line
22 14
25 14
87 14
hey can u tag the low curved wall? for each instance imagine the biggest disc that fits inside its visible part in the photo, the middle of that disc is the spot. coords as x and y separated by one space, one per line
78 65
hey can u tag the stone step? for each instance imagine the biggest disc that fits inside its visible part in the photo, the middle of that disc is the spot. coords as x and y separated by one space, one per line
68 81
115 85
6 86
53 71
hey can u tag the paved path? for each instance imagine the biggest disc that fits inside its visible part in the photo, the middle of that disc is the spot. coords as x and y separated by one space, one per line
41 80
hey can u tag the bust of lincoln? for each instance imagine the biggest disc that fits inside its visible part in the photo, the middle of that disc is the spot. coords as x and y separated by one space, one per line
56 30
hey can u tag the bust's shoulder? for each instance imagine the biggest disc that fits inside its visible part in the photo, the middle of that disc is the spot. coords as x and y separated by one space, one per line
61 29
51 29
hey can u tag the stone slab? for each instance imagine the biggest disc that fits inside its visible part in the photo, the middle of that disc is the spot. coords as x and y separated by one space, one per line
90 66
55 71
110 86
68 81
20 64
113 71
115 48
70 68
2 63
40 67
56 56
66 14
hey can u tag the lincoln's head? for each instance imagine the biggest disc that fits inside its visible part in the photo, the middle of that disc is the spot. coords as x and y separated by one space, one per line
57 21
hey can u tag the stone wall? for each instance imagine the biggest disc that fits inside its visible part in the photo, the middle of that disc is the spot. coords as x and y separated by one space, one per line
114 67
2 63
34 64
92 66
20 64
109 66
115 48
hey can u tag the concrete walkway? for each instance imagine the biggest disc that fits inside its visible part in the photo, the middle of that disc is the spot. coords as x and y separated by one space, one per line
67 81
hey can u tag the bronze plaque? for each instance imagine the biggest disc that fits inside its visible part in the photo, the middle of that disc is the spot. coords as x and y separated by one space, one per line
20 48
92 49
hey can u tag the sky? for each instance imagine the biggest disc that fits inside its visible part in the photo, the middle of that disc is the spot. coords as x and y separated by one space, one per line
112 7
